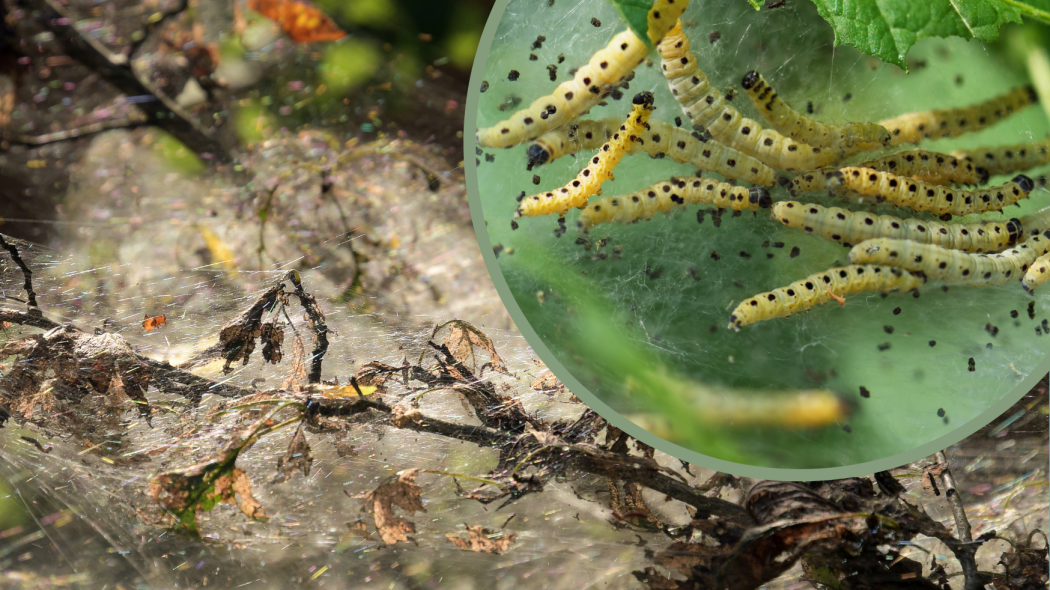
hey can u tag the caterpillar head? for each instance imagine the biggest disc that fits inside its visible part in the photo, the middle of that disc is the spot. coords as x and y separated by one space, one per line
644 99
1026 183
537 155
750 79
1014 229
760 195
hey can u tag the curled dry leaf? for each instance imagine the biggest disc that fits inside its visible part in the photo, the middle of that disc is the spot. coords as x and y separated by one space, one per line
482 540
404 415
375 374
297 378
399 491
272 339
297 457
462 340
546 381
153 322
203 486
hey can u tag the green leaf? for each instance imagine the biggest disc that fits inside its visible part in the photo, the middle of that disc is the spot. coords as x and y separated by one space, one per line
636 14
1037 9
887 29
756 3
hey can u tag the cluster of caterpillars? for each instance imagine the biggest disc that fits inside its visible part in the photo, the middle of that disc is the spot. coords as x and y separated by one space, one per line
888 253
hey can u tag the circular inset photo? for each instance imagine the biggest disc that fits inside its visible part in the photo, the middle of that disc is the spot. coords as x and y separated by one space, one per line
752 245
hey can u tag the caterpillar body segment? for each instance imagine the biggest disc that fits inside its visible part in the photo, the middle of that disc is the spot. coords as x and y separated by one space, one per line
661 139
1037 222
588 182
606 69
852 138
953 266
586 134
929 167
663 197
1008 159
853 227
1037 274
921 196
821 288
705 106
937 123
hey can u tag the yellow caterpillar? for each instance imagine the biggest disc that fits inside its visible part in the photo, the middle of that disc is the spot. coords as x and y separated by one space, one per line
929 167
706 107
852 227
665 196
661 139
1008 159
920 196
606 69
852 138
1037 274
821 288
1037 222
590 179
933 124
953 266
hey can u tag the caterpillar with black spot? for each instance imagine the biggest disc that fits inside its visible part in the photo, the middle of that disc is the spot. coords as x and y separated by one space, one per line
921 196
1008 159
1037 222
665 196
1037 274
661 139
606 69
937 123
924 165
852 227
821 288
589 181
851 138
953 266
705 106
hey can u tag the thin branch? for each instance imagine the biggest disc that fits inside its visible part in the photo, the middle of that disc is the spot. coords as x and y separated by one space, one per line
28 274
965 551
309 303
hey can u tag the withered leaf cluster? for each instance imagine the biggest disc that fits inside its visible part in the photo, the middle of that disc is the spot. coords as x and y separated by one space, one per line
399 491
482 540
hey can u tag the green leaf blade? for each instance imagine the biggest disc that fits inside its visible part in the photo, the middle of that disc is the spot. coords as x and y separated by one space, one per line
636 14
888 28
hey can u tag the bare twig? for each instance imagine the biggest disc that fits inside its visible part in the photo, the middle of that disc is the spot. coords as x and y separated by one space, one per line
965 551
28 274
309 303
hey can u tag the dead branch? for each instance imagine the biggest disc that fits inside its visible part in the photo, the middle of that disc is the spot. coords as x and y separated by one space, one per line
9 245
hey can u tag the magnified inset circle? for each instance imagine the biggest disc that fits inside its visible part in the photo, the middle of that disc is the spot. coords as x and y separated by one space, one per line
658 301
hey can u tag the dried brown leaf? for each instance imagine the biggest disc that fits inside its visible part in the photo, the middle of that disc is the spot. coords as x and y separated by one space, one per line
297 378
375 374
462 340
399 491
546 381
272 339
482 540
297 457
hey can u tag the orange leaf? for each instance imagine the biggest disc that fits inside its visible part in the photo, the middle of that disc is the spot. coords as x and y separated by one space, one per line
154 322
303 22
